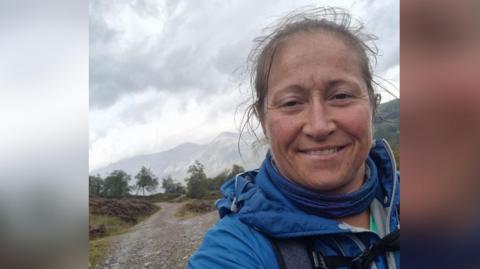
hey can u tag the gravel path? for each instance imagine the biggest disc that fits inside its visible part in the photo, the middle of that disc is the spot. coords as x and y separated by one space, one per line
162 241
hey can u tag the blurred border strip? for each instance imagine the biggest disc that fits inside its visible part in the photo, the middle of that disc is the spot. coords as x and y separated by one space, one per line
44 134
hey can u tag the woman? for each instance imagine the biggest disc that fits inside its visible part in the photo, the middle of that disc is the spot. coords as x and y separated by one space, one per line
326 195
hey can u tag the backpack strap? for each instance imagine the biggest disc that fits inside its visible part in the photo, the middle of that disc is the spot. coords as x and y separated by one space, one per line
296 253
300 253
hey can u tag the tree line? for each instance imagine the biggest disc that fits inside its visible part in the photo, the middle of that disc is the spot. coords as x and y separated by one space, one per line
198 185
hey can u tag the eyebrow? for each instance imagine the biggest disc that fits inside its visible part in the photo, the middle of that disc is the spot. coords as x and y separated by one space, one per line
289 89
329 84
337 82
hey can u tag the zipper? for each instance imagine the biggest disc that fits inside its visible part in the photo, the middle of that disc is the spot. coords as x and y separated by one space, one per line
394 172
390 257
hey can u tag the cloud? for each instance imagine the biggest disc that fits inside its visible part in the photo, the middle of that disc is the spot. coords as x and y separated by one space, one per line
382 19
184 45
177 52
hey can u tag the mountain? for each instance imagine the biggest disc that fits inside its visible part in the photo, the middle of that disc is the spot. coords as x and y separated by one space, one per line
220 154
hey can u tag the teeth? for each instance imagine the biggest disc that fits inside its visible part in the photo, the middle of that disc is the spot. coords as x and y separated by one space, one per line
323 152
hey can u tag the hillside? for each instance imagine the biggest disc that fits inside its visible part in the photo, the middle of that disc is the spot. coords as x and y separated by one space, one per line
387 123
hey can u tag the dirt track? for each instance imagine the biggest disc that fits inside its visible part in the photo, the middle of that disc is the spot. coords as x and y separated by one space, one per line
162 241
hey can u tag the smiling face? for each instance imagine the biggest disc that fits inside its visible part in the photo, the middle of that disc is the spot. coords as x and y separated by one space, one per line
317 116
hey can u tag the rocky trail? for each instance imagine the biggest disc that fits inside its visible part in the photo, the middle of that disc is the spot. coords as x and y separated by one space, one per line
162 241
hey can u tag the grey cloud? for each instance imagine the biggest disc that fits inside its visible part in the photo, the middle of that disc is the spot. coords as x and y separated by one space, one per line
145 8
231 58
383 21
198 49
180 60
141 113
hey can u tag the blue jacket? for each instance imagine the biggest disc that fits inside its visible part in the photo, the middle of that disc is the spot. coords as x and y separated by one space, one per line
253 207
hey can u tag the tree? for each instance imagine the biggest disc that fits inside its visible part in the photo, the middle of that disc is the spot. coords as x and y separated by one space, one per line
95 185
116 184
226 175
179 188
168 185
236 169
146 180
216 182
197 182
171 187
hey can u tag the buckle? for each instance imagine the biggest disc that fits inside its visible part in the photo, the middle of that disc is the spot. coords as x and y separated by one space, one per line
363 260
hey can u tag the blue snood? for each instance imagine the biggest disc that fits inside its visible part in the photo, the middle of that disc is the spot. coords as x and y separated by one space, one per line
331 205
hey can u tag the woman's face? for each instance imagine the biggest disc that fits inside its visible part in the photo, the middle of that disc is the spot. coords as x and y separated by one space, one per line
318 117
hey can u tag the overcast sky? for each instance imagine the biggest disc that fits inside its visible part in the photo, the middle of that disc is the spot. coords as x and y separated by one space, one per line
166 72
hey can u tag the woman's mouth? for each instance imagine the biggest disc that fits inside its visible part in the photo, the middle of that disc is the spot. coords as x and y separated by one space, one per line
322 151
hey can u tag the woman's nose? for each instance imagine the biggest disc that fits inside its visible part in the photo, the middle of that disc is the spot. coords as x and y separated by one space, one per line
318 124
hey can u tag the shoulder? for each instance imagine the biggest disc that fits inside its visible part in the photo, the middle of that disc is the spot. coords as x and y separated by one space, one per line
233 244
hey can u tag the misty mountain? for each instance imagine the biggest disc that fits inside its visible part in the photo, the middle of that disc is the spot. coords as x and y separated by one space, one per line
220 154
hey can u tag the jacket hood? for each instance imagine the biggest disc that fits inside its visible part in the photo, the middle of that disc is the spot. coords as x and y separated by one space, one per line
255 200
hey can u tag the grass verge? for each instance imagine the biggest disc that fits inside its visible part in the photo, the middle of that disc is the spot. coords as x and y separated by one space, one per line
98 248
97 251
108 218
194 208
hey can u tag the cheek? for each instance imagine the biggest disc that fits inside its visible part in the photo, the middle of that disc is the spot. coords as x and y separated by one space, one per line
358 124
281 130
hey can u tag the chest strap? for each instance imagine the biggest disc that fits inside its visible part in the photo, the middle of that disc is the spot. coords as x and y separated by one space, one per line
300 253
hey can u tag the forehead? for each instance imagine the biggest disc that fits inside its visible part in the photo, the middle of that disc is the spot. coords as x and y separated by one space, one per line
314 55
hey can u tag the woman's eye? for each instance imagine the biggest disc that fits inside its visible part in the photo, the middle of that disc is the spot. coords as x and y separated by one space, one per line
291 103
341 96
